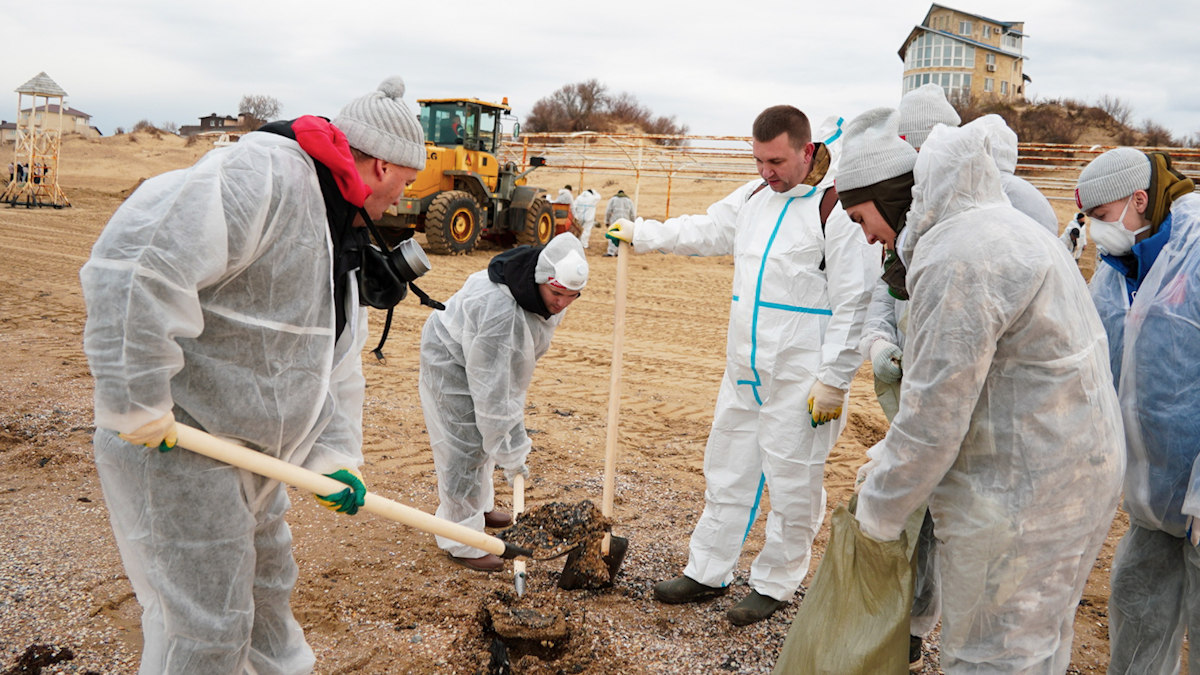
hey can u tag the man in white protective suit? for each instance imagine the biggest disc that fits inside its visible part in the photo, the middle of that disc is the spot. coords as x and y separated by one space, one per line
477 360
802 274
226 296
584 211
618 207
1007 425
883 334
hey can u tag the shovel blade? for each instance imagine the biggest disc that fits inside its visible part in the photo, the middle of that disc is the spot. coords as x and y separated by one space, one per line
572 579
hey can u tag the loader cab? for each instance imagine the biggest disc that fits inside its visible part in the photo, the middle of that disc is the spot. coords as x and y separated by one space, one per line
467 123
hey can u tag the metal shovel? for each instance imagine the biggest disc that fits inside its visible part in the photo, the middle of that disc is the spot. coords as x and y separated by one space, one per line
265 465
613 548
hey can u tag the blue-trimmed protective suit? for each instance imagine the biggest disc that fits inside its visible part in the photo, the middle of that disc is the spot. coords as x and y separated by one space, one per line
790 323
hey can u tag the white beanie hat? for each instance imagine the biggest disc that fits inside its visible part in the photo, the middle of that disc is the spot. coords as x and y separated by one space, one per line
380 125
921 109
562 263
1113 175
873 152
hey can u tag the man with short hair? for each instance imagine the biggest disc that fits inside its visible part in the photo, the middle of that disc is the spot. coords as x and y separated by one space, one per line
226 296
801 281
477 360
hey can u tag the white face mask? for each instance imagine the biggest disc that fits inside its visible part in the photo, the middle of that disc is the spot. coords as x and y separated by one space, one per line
1111 237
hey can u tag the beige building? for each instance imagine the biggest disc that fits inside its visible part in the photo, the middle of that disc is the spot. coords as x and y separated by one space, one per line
967 54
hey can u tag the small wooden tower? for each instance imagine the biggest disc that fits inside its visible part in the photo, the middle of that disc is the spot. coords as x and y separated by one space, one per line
35 153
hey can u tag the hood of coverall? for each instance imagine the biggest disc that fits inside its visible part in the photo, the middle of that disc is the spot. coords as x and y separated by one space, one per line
954 173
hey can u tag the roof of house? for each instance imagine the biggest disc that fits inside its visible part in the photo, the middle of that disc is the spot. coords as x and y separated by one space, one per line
54 108
1008 25
41 84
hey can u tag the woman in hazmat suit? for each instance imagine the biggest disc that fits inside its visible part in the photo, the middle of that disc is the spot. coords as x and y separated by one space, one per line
477 359
1007 424
1146 223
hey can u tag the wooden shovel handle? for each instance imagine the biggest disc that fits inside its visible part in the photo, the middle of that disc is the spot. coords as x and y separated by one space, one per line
518 507
265 465
614 386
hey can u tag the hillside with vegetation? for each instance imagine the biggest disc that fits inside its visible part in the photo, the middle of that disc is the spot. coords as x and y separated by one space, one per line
1108 122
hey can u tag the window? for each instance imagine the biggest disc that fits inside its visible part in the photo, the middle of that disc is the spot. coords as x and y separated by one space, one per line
952 83
965 28
991 59
989 84
1012 42
931 50
1003 88
987 32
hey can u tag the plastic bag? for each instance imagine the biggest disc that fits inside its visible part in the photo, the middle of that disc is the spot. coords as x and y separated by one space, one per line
855 617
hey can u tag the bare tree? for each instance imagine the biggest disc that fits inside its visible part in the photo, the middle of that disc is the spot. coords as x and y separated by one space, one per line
258 109
587 106
1120 111
1157 135
170 127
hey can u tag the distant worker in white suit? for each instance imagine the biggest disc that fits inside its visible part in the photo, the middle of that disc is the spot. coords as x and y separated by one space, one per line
584 210
801 282
620 206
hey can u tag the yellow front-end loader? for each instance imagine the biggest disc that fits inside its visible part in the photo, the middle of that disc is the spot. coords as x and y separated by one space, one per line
465 194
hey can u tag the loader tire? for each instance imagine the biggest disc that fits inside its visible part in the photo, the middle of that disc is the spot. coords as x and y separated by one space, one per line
452 224
539 224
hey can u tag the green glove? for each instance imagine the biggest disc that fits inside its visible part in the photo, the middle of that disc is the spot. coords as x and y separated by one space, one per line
348 500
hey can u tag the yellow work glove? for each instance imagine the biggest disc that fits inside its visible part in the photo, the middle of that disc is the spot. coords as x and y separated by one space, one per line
349 500
825 403
620 231
1193 532
159 434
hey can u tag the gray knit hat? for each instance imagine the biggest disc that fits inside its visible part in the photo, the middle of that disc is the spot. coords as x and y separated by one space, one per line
873 151
1113 175
380 125
921 109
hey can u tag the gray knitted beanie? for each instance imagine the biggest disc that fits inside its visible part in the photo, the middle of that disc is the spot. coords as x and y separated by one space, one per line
921 109
873 150
1113 175
380 125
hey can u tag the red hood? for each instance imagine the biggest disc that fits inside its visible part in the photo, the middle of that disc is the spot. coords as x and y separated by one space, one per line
328 145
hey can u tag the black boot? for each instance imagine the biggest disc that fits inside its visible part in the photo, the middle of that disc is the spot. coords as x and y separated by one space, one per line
683 589
753 608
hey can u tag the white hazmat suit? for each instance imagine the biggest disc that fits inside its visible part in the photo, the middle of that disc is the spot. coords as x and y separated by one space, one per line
584 210
1008 425
790 324
477 360
1021 193
210 293
619 206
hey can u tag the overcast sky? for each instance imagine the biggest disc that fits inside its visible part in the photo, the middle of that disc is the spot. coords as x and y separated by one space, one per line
713 65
